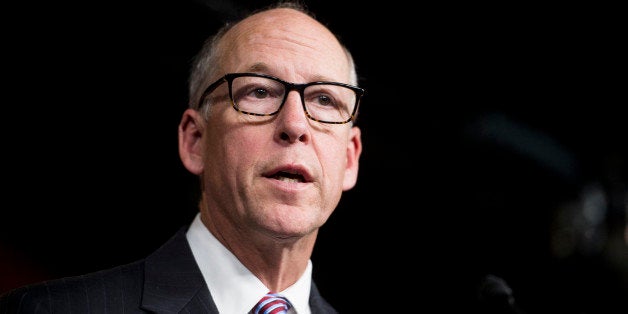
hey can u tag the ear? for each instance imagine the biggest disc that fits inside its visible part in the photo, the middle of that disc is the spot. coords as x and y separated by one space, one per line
354 149
191 130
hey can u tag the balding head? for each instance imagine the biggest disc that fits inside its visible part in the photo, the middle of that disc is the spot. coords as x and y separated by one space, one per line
286 42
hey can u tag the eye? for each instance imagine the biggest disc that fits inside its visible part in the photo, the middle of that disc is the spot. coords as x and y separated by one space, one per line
257 92
260 93
324 96
325 100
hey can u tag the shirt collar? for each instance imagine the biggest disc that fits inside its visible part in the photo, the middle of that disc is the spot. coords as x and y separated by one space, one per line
234 289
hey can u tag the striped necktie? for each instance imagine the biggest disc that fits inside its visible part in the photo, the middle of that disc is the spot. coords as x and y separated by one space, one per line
272 303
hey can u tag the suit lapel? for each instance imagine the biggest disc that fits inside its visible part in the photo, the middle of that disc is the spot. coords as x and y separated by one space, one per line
318 305
173 282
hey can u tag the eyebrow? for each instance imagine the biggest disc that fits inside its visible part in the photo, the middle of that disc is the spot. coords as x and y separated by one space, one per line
261 67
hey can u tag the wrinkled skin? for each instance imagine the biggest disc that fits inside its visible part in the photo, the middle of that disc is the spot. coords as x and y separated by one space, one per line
269 184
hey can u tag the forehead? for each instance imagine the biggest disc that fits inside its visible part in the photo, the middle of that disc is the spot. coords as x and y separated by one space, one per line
285 42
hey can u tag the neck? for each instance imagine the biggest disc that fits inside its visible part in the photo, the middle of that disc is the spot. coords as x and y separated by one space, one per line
277 262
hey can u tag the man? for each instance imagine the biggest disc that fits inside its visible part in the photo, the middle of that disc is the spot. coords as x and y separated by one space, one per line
270 134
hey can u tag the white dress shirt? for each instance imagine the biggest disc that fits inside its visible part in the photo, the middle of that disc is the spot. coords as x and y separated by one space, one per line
234 289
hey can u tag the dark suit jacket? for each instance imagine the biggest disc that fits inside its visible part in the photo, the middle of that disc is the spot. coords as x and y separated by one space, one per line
167 281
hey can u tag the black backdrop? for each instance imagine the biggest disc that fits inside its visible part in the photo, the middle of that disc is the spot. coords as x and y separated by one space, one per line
489 130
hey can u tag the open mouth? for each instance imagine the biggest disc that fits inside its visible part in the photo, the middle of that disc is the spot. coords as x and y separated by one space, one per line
288 177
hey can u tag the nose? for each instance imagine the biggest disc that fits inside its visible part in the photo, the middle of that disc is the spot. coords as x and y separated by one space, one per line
293 123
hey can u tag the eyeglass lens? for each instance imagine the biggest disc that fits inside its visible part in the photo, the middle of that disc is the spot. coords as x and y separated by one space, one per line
264 96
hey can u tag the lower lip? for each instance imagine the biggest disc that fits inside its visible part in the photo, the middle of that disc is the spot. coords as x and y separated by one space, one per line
288 186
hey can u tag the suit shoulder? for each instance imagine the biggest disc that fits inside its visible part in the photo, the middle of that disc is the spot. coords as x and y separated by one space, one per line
98 290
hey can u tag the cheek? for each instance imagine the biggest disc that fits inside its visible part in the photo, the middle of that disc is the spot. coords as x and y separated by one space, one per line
241 147
334 158
245 139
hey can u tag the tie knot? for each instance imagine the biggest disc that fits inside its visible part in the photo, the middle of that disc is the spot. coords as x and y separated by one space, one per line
272 303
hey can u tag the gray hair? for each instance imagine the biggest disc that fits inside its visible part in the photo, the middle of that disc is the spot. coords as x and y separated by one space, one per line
205 63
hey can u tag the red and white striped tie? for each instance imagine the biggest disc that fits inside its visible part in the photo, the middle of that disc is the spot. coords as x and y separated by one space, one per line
272 303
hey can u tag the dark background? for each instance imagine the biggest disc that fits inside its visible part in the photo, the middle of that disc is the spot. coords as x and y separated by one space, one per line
494 144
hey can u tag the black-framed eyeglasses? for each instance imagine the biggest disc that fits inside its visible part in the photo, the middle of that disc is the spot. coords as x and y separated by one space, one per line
264 95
